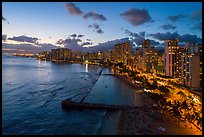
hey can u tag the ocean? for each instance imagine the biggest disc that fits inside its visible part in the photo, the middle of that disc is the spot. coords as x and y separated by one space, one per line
32 92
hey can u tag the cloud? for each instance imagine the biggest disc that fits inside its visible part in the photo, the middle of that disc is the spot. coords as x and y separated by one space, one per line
27 48
140 37
86 43
181 37
88 39
96 28
106 46
74 35
4 37
72 43
142 33
155 43
197 15
129 33
167 27
25 39
76 46
198 26
90 26
176 18
137 16
60 42
80 36
164 36
189 38
68 41
137 38
95 16
72 9
99 31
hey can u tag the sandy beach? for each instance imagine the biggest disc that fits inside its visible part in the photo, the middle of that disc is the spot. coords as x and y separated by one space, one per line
144 121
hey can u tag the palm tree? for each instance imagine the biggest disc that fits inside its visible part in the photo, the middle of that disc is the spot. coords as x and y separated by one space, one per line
199 122
195 117
155 84
163 102
175 111
187 116
184 107
169 105
198 118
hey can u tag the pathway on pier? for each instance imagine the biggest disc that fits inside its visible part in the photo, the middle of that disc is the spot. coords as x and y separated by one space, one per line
67 104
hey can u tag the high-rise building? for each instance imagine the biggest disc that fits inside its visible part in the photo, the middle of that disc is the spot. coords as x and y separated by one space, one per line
146 44
105 56
77 55
45 55
191 72
112 55
122 52
160 65
91 56
181 52
118 53
149 55
60 54
171 58
99 56
137 52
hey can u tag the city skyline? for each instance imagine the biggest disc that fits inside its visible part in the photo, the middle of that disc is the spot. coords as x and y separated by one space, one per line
102 68
91 23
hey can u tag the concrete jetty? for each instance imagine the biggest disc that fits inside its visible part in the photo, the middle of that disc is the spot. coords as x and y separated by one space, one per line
67 104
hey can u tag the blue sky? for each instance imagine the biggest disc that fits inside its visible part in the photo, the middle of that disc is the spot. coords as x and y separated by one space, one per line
51 21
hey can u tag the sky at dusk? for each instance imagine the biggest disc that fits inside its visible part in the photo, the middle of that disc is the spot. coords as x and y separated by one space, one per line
90 23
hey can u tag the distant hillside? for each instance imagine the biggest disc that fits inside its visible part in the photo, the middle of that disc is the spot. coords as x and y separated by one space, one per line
28 48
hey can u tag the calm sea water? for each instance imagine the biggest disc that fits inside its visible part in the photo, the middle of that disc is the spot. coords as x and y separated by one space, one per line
32 92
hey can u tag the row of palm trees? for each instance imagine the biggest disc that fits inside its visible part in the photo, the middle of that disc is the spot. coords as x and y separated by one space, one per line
143 79
183 112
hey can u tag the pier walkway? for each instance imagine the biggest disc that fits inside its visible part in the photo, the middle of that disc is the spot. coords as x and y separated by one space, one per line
67 104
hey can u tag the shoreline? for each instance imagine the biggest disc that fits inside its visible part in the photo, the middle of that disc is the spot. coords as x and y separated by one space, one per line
146 121
125 80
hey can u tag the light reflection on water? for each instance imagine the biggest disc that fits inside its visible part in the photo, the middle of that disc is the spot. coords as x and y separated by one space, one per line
86 68
32 92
